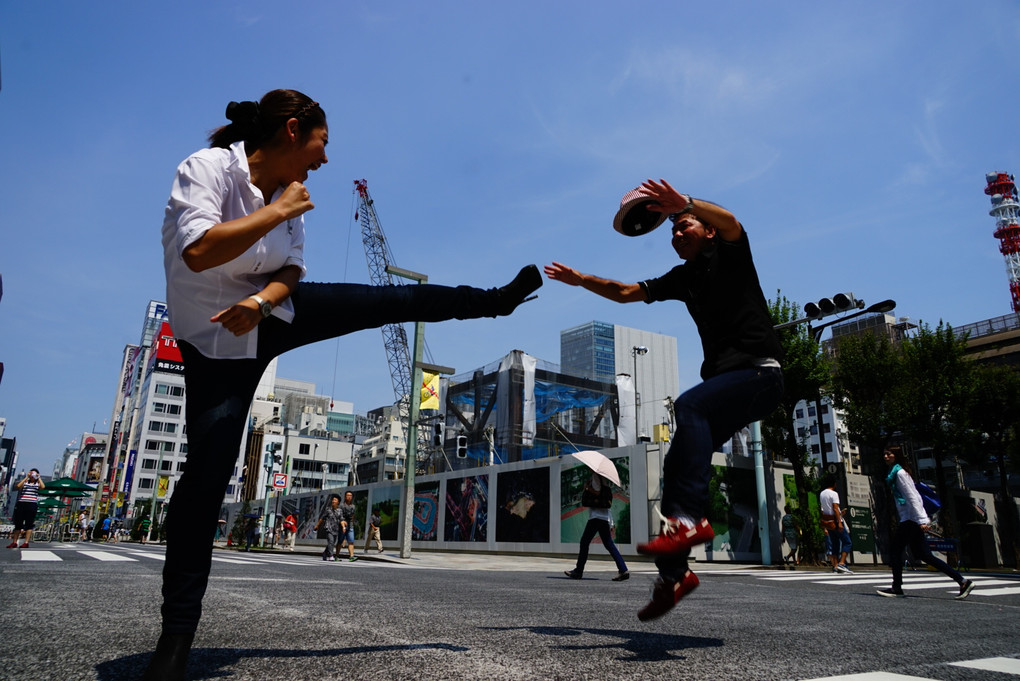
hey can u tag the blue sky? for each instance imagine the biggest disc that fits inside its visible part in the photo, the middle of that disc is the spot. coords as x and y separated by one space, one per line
851 139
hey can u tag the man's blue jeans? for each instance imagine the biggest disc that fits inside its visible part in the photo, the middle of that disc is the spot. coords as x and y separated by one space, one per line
707 416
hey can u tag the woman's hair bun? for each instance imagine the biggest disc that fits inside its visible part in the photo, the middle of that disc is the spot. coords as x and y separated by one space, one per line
245 114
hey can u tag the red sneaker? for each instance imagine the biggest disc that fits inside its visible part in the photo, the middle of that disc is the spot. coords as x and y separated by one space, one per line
13 545
676 537
25 545
666 594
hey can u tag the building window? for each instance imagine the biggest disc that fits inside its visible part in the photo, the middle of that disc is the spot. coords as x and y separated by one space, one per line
165 465
800 413
149 464
145 483
171 390
810 411
164 408
304 449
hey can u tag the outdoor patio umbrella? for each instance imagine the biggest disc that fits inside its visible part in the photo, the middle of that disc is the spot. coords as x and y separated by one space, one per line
73 494
599 463
61 486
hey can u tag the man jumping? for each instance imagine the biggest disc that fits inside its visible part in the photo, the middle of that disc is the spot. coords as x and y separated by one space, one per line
742 378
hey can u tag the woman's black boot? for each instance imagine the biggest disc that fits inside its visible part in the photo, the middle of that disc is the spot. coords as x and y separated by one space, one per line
527 281
170 660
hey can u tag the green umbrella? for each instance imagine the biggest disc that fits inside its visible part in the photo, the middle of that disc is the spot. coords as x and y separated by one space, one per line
51 503
66 487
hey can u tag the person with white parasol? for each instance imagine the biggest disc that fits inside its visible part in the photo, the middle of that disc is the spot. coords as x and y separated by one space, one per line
597 497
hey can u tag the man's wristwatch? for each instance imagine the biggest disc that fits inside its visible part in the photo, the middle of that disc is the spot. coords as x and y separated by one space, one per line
265 307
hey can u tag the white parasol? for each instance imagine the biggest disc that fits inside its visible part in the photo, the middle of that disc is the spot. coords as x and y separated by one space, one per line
599 463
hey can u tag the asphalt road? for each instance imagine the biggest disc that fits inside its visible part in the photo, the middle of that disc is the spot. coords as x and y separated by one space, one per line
80 611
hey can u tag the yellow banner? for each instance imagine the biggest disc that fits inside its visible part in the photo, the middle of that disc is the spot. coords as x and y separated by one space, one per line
429 391
164 485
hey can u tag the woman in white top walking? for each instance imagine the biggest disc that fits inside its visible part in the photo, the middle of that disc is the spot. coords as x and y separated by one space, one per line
910 531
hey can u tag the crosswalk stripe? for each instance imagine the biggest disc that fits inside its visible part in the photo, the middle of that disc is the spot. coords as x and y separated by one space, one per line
148 554
871 676
1008 591
107 557
40 556
1005 665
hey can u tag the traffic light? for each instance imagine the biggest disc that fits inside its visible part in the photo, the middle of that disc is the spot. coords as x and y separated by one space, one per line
437 435
841 302
462 446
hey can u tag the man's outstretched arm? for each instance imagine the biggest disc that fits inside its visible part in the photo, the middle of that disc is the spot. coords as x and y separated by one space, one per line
607 288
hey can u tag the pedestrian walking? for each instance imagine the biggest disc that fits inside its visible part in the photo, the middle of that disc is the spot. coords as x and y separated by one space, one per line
290 526
597 497
143 527
836 547
25 508
373 532
743 381
233 241
913 523
347 511
791 534
331 519
83 526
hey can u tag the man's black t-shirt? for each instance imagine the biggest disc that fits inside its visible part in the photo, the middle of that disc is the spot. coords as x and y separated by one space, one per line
721 289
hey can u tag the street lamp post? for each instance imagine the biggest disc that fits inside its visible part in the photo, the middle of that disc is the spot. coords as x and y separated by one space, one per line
635 351
325 469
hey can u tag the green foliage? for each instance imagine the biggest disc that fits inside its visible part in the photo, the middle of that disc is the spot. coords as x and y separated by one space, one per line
865 384
938 384
240 522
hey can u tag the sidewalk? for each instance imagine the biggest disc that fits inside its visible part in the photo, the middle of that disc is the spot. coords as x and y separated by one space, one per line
457 560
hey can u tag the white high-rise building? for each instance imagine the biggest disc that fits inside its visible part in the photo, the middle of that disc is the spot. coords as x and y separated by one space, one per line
600 351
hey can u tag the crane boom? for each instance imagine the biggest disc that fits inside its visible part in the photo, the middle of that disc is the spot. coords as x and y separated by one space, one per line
379 256
398 353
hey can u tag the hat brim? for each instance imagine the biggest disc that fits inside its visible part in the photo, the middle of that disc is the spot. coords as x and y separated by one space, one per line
635 219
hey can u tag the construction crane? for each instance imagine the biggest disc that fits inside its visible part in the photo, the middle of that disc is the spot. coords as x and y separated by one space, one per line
398 354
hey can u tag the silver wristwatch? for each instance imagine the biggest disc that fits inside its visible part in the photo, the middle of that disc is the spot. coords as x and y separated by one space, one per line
265 307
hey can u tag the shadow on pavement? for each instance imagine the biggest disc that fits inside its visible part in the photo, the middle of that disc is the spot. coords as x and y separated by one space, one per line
642 645
210 663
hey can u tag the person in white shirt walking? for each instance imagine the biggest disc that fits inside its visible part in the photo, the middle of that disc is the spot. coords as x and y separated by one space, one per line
910 531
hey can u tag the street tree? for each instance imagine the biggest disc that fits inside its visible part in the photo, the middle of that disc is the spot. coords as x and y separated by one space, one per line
867 378
937 389
993 409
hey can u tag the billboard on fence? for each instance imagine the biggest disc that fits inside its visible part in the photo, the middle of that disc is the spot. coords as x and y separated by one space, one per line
467 502
425 525
386 500
574 516
523 511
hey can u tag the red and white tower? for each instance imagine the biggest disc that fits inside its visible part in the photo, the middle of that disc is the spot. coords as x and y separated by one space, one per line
1006 212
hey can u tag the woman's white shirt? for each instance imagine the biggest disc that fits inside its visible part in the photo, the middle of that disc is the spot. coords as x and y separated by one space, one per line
213 186
914 508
